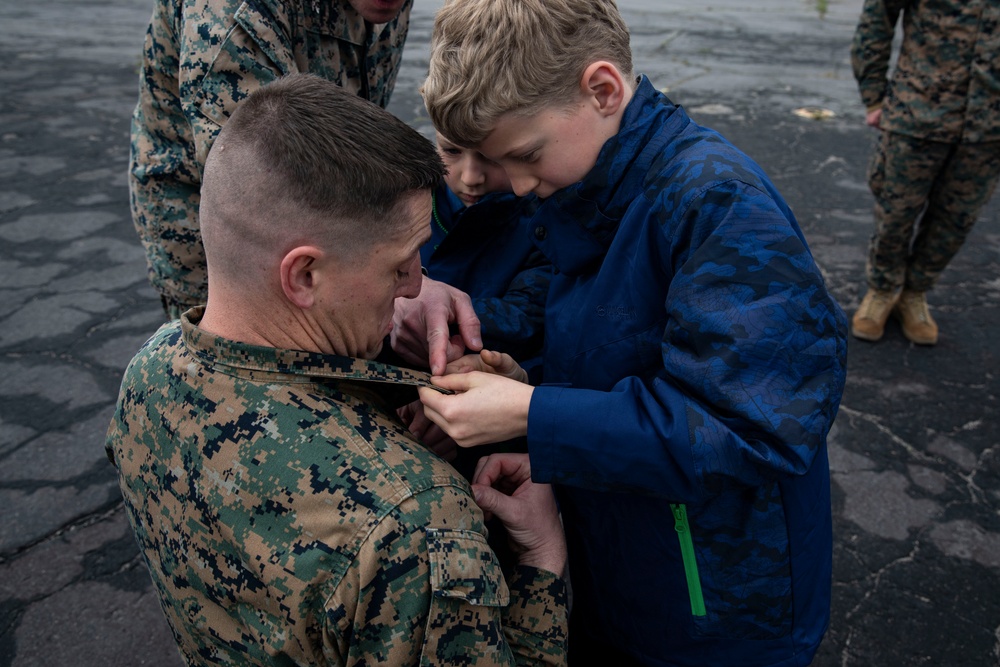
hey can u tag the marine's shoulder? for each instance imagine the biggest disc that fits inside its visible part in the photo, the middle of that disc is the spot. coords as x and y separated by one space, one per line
389 449
157 350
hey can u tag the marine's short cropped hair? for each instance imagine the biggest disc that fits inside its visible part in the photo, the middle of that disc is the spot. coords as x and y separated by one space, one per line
494 57
300 152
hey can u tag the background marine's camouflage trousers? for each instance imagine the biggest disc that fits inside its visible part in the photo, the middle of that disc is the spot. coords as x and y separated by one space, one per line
947 183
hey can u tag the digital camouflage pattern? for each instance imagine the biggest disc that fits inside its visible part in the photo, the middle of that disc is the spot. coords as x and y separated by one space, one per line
954 182
940 144
200 59
288 518
946 85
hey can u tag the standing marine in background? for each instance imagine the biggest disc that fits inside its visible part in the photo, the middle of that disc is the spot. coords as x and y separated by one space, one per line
202 58
938 159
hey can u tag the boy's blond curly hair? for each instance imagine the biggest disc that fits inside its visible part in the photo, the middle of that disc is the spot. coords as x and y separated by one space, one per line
494 57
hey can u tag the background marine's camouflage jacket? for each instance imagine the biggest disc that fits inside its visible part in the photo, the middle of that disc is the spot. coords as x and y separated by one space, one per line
287 517
201 58
946 85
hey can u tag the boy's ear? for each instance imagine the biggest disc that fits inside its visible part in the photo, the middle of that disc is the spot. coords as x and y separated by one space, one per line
604 86
299 275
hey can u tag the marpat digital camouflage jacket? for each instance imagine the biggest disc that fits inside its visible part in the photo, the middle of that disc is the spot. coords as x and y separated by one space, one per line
288 518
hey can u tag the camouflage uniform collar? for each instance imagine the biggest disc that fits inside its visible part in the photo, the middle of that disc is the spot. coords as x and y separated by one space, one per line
258 362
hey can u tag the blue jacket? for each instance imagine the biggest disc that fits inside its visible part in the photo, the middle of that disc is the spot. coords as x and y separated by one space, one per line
485 250
697 363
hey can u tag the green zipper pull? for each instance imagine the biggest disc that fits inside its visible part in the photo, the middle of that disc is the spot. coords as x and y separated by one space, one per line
687 556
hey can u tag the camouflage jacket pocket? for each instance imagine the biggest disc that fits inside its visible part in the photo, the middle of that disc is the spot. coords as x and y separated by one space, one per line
463 567
256 50
468 598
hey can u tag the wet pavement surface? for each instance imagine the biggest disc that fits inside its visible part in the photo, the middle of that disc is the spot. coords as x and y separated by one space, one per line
915 452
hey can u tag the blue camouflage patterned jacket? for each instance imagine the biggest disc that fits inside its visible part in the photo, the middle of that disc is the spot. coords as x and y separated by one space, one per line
697 363
486 251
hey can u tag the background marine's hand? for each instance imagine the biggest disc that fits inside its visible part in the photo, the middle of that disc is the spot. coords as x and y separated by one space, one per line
874 118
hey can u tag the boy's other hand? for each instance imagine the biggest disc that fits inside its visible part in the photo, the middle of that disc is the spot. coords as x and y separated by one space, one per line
502 486
421 326
489 361
427 432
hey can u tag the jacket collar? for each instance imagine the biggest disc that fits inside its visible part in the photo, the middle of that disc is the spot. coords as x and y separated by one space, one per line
261 363
581 219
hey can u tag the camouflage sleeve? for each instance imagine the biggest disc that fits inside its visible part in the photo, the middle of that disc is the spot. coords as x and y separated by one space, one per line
164 179
515 321
537 623
754 341
426 589
872 48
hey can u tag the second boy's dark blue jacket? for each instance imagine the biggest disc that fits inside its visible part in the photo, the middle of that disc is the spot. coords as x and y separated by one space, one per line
485 251
696 363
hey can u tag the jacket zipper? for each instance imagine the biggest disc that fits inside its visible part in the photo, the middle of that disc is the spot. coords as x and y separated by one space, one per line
687 556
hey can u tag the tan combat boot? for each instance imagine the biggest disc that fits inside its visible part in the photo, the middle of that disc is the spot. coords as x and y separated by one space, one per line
869 322
915 318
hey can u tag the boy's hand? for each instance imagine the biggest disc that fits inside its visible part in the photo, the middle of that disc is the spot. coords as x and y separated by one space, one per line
427 432
488 361
485 408
502 486
420 326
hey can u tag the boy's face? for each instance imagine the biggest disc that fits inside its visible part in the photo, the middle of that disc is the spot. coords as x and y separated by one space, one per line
547 151
470 175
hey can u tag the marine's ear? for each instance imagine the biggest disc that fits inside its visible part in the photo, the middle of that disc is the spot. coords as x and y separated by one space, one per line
298 275
603 85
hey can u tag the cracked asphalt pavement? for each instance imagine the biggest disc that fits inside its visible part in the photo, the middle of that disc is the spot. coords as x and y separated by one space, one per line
915 451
